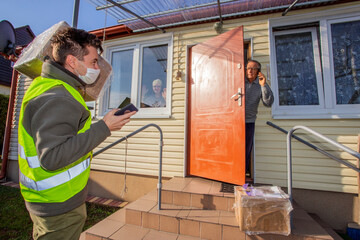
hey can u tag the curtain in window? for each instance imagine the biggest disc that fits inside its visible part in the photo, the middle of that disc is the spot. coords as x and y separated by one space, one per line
345 38
297 81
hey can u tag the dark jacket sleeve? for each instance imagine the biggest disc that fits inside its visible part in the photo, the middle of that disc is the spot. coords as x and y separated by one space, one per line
54 122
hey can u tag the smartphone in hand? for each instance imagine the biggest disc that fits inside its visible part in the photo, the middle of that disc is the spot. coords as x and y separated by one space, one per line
130 107
260 76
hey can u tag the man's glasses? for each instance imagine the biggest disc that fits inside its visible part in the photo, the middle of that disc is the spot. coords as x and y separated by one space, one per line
252 68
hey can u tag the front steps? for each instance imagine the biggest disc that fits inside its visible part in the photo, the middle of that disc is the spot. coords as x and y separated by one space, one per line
192 208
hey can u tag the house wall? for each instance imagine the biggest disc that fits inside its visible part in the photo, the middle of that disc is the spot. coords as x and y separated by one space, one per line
316 178
4 90
21 87
311 171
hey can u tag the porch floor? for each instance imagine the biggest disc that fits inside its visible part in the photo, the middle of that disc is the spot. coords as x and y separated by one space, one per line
193 208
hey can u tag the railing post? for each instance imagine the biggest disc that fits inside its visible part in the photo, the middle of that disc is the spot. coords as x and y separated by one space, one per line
159 185
358 175
289 163
289 156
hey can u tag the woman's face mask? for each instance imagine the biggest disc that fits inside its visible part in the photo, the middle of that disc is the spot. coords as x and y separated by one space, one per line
90 76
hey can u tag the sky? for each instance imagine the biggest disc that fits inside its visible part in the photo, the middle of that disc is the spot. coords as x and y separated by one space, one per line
42 14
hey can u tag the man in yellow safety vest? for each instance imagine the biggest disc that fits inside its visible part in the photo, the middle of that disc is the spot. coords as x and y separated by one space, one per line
56 136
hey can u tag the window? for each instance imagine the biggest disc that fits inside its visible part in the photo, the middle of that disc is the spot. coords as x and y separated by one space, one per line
120 87
345 43
141 75
315 78
153 77
295 64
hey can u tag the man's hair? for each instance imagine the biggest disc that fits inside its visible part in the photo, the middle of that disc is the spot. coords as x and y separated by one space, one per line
72 41
258 63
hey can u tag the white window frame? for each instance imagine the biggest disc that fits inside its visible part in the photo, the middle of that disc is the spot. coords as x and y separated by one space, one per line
327 98
341 108
137 44
284 110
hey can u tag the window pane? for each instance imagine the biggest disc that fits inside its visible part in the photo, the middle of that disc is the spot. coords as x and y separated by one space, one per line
153 76
122 62
346 57
296 69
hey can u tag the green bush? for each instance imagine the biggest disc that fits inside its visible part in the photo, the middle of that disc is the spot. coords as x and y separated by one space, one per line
4 100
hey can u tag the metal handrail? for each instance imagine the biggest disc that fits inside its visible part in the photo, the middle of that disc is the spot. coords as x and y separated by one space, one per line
315 147
159 186
289 158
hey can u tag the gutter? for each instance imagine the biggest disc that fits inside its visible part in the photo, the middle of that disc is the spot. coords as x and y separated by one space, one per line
7 134
112 32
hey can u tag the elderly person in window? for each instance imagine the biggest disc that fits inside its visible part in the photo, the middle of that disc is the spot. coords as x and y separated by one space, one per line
158 97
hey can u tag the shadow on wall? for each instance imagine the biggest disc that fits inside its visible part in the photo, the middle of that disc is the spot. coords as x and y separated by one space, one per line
336 209
110 185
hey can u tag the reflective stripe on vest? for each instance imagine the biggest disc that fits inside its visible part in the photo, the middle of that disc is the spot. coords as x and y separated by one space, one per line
33 161
38 184
55 180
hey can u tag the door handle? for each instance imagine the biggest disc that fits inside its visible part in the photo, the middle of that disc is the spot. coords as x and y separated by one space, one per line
239 98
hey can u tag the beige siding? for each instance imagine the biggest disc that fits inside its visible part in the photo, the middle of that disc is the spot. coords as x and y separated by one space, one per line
22 86
143 149
4 90
311 170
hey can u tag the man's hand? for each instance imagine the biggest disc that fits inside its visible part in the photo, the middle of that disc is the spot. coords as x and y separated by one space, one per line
262 79
115 123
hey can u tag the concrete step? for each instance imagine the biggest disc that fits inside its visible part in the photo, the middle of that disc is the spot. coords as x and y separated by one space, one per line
116 227
198 193
192 209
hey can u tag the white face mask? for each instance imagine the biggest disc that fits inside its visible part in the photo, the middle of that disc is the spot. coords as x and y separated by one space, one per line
90 76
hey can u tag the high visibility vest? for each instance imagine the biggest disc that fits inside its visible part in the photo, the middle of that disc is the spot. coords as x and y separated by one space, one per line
38 184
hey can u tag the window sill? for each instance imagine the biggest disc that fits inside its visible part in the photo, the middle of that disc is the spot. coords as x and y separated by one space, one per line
316 116
141 116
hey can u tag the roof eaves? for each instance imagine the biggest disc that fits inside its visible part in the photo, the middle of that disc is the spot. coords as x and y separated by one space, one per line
112 32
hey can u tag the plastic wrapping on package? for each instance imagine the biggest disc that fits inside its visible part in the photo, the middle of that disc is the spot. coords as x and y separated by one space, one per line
263 210
32 57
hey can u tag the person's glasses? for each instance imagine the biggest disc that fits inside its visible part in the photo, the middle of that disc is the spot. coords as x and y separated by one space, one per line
252 69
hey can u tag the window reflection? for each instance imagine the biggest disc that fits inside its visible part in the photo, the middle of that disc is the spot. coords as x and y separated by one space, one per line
122 65
346 57
153 76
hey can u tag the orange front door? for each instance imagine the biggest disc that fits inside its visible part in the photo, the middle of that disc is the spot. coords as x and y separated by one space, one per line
217 122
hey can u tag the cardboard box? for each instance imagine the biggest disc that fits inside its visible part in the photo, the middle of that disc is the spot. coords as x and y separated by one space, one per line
263 210
32 57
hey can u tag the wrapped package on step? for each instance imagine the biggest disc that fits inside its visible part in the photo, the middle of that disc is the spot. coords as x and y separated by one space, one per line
262 210
32 57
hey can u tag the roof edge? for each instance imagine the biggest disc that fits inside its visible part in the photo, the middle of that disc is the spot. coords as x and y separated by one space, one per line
112 32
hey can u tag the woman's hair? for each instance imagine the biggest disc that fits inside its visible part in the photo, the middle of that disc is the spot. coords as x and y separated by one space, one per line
72 41
156 81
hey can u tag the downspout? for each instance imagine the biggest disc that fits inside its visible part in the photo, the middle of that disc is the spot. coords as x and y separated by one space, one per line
7 134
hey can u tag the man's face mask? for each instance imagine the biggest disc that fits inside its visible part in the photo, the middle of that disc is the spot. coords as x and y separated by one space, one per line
90 76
